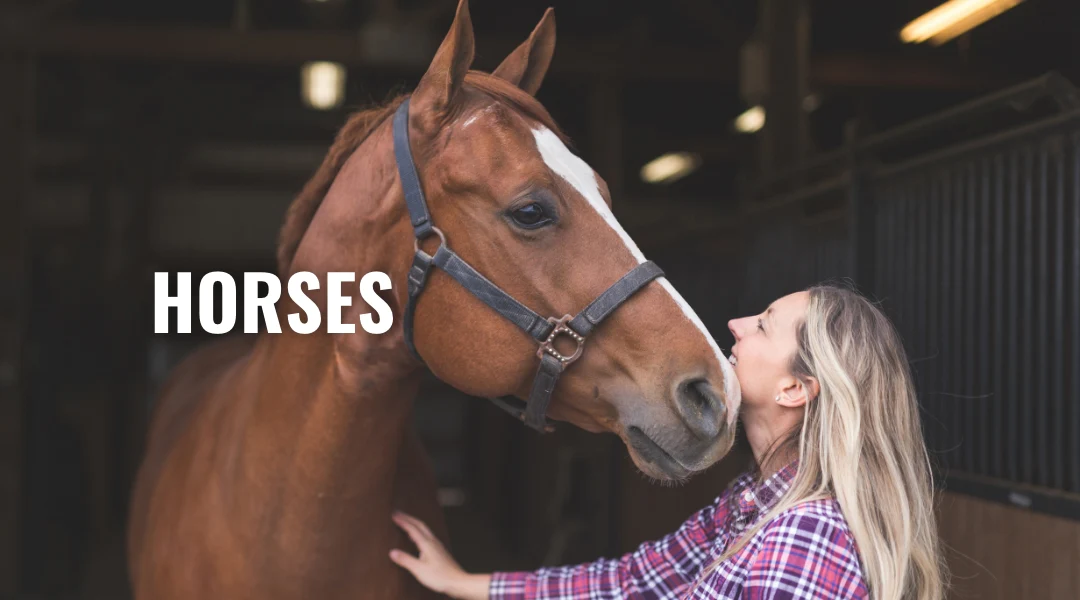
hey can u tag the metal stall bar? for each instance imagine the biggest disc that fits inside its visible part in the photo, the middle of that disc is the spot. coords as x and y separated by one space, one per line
1012 440
1041 399
1027 349
921 293
999 363
896 233
1056 401
954 316
982 374
1074 304
932 385
911 217
943 396
971 398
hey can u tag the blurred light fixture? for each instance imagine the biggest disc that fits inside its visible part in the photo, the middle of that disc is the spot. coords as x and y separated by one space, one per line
811 102
750 121
323 84
952 19
670 167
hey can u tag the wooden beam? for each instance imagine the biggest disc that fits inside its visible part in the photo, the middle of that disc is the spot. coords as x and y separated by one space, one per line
716 19
574 58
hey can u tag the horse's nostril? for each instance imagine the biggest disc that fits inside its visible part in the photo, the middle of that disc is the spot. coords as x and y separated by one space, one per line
700 407
696 391
698 394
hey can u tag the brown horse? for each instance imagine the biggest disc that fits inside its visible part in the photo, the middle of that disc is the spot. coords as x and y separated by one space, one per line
273 466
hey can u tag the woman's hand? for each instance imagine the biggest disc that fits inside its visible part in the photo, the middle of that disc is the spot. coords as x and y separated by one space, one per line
435 568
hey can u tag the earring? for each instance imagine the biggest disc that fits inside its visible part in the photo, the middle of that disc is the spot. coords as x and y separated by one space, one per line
778 397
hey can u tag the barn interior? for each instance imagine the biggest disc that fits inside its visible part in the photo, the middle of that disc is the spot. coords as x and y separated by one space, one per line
942 179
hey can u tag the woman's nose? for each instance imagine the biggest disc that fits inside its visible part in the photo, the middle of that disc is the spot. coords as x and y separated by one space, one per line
738 326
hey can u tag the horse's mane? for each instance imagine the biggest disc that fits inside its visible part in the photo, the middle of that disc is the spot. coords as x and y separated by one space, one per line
359 127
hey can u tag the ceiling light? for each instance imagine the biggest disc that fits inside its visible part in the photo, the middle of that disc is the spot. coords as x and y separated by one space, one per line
952 19
670 167
750 121
323 85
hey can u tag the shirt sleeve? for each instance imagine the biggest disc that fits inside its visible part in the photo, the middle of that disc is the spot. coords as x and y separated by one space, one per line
659 569
805 555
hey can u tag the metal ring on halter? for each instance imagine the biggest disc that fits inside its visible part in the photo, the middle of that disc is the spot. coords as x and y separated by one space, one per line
436 231
561 328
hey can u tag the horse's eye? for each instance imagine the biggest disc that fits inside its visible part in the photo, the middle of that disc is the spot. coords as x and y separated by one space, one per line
531 216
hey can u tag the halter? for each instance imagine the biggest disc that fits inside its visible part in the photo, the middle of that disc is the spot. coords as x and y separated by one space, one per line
544 331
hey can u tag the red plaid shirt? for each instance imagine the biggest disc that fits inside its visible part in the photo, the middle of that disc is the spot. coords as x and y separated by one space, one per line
806 551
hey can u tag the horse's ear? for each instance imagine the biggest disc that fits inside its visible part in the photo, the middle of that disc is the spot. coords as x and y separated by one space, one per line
438 87
527 65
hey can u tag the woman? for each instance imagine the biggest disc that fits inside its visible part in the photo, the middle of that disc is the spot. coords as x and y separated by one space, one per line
840 504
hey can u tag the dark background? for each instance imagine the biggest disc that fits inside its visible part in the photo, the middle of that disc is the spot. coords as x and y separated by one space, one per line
171 135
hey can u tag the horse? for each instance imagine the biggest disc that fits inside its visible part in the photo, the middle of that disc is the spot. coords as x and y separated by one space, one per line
274 462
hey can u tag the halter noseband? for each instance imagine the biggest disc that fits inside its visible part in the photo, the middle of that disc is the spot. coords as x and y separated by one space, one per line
544 331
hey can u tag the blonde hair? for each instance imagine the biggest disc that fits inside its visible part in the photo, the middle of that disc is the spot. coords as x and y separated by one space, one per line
861 443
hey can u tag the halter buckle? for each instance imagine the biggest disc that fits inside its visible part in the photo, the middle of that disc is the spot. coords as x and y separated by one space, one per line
561 327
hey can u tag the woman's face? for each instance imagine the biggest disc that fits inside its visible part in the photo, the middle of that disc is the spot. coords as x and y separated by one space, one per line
765 345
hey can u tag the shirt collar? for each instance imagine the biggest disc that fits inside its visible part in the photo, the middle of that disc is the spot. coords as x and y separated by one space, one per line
761 496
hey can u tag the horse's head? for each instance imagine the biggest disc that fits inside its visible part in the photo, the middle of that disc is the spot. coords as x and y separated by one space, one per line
534 219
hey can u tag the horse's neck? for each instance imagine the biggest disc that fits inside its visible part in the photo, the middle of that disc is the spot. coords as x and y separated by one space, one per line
313 476
339 419
331 410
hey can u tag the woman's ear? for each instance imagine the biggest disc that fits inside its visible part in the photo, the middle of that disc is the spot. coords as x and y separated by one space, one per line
796 393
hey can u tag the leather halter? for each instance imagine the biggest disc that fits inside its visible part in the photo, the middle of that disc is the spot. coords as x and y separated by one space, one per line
544 331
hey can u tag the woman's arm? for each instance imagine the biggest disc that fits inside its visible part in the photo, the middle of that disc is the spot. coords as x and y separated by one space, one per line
660 569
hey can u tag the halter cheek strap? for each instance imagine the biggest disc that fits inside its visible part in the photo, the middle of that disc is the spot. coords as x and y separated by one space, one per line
543 330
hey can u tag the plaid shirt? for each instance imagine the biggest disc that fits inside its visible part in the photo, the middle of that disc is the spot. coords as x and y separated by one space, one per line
806 551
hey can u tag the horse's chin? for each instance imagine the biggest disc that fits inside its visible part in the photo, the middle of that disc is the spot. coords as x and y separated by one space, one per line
664 465
653 460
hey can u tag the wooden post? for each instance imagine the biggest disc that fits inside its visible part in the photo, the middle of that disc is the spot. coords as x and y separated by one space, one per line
16 131
785 31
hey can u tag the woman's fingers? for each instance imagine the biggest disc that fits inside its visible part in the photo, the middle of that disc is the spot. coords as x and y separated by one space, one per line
415 523
424 528
434 567
405 560
413 530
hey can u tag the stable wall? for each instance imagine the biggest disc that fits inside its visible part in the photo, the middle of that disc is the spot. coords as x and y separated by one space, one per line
998 551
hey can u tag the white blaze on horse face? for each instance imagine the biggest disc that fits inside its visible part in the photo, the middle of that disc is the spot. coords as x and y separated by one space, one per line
581 176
